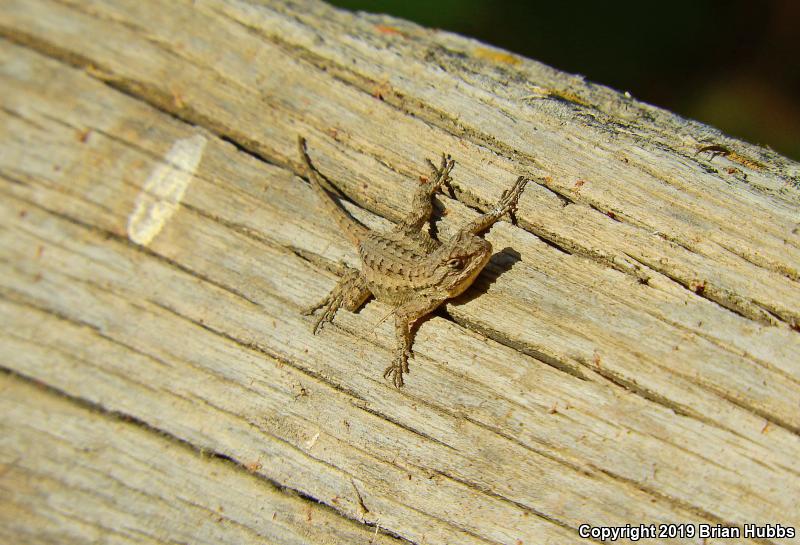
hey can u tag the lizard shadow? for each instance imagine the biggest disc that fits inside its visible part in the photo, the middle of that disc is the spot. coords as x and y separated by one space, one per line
437 216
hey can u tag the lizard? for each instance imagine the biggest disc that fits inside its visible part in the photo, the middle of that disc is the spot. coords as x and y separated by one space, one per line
406 267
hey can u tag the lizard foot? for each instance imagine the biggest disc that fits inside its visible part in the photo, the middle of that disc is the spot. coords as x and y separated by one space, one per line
350 292
508 201
330 304
395 371
441 174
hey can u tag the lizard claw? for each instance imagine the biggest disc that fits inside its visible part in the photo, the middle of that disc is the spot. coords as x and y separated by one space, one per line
318 324
399 366
509 199
441 174
330 304
319 321
394 373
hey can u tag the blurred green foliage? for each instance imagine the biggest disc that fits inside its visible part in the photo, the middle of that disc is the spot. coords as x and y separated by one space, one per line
734 65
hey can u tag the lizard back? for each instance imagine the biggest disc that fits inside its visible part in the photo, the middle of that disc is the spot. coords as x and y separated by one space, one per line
392 265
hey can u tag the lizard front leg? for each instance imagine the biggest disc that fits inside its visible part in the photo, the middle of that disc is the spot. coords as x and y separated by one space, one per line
405 317
350 292
506 205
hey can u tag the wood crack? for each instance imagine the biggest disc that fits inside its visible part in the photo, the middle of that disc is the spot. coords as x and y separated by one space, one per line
130 419
678 402
165 104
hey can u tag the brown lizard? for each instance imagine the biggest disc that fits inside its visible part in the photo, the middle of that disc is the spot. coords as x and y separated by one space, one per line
406 267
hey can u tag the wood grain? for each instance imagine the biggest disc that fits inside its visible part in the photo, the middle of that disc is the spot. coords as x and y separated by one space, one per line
78 475
629 356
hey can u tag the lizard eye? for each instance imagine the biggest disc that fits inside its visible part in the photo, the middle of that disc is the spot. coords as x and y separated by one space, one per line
456 264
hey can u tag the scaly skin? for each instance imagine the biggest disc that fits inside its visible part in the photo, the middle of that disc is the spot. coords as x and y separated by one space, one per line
406 267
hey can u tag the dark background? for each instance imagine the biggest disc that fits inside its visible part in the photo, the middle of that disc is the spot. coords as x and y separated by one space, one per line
734 65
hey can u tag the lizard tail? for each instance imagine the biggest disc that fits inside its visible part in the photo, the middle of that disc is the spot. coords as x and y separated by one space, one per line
325 190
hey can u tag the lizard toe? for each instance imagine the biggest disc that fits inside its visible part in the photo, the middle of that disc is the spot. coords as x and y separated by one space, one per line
394 373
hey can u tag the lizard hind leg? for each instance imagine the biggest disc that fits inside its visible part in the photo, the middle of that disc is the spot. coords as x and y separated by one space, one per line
422 207
349 293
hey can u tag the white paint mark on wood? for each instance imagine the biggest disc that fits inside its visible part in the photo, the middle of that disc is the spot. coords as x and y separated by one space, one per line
162 192
313 441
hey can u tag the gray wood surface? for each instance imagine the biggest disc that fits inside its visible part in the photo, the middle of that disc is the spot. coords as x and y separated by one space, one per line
629 356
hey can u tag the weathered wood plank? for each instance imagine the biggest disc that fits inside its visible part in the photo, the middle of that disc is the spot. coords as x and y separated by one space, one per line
585 385
698 245
279 104
74 475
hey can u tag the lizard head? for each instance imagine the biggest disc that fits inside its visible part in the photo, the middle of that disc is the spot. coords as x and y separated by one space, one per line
459 261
